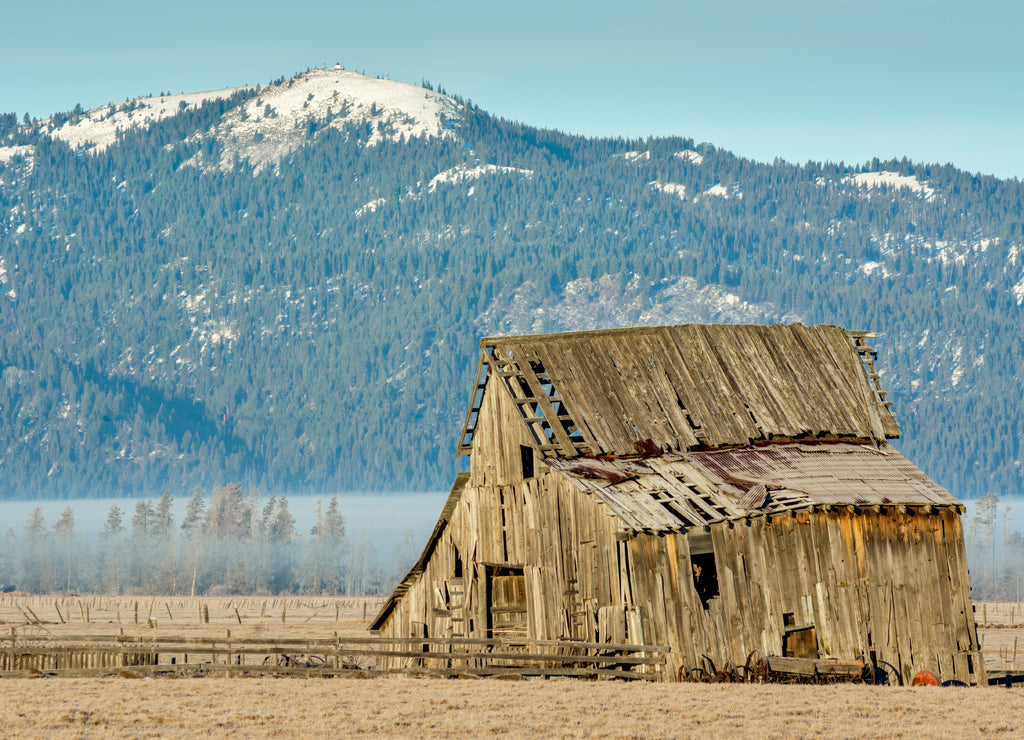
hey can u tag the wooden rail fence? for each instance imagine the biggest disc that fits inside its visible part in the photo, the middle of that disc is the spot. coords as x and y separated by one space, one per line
97 655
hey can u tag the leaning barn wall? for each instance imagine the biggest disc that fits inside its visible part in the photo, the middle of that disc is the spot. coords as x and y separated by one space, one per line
889 585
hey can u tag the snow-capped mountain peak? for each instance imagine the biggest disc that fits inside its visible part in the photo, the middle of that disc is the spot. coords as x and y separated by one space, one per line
278 118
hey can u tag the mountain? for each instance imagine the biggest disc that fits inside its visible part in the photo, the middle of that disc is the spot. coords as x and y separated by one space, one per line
285 285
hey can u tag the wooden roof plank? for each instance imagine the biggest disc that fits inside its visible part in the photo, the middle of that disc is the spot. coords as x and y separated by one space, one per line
687 387
713 389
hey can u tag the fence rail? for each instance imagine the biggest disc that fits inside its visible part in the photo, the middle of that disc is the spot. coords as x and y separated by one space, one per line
341 655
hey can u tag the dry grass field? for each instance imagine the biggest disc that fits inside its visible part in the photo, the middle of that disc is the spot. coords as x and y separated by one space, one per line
45 707
419 708
1001 630
245 616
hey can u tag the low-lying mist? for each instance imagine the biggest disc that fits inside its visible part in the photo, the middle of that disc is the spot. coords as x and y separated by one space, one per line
995 547
221 542
230 541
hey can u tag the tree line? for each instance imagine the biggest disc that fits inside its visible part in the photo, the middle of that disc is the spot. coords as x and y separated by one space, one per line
995 550
227 542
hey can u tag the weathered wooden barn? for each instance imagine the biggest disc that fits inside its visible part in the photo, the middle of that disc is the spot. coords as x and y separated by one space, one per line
717 489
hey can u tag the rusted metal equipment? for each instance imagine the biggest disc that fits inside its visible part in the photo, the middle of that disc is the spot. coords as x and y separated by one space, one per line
781 669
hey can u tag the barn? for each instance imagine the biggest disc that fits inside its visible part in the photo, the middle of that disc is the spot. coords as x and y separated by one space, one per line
718 489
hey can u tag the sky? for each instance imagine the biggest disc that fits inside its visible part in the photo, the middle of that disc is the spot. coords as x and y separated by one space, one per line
829 80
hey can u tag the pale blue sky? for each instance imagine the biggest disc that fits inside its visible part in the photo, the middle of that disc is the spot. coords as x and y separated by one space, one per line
935 80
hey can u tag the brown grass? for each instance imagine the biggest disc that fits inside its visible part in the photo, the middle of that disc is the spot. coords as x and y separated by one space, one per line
402 707
291 616
405 707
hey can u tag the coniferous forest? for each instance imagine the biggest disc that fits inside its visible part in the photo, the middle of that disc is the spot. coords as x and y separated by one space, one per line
173 316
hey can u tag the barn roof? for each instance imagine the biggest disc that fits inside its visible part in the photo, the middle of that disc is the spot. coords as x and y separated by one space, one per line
679 491
677 388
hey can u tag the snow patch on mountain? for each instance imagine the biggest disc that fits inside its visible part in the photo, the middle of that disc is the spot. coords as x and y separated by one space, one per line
7 153
723 191
872 180
671 188
463 173
282 117
690 156
868 268
1018 292
98 128
607 302
370 207
634 156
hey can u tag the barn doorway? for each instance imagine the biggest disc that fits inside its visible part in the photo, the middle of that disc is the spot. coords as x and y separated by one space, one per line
506 601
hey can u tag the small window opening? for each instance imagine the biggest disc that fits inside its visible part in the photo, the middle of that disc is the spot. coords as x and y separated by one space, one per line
789 619
705 577
457 566
526 457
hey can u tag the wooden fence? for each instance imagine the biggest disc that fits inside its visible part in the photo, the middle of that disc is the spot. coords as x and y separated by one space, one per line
99 655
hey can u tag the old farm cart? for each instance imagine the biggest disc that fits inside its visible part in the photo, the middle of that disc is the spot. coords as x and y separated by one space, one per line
716 489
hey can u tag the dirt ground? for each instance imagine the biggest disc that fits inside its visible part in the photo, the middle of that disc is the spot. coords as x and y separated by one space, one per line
46 707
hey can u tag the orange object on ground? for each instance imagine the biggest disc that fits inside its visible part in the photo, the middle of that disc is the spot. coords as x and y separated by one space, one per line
926 678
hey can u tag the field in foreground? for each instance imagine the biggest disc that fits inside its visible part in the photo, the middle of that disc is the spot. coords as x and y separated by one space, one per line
404 707
1000 624
49 617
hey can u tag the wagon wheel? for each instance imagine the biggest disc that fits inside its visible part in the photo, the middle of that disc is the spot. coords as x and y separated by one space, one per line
691 675
709 666
756 668
886 674
867 674
726 675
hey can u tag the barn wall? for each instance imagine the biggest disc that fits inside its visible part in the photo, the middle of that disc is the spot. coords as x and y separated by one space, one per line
575 569
888 585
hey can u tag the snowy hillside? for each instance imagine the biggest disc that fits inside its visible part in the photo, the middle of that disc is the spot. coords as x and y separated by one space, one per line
273 123
98 128
595 304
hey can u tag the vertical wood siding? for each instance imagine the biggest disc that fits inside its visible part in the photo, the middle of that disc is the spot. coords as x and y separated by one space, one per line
887 585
